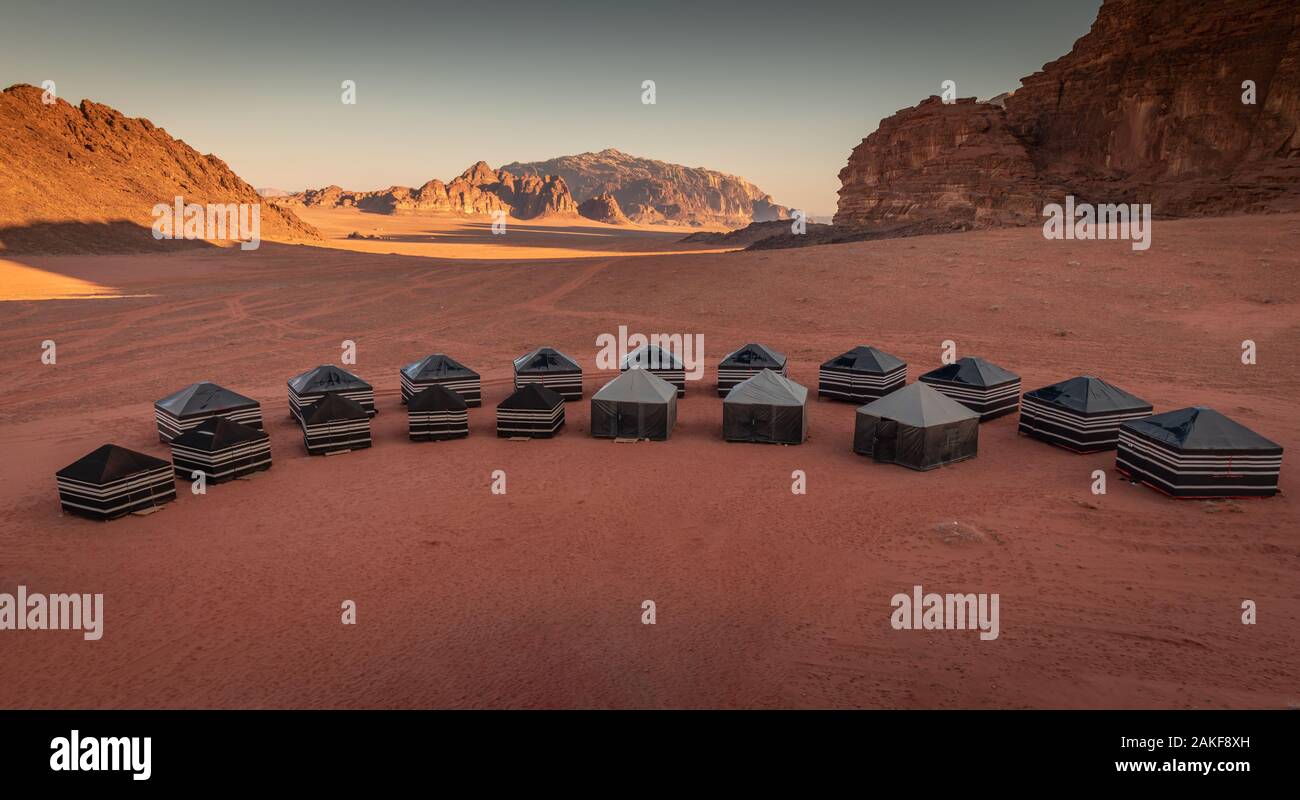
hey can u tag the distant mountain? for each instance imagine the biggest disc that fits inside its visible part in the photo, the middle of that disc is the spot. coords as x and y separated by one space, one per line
271 192
655 191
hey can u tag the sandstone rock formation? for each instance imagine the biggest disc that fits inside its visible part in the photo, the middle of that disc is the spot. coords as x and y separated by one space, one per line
1147 108
603 207
85 178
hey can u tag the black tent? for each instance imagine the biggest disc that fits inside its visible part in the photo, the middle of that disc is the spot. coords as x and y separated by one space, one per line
636 405
113 481
661 362
1081 414
199 402
916 427
328 379
1198 452
437 413
221 449
552 369
767 408
745 363
532 411
861 375
981 386
439 369
335 424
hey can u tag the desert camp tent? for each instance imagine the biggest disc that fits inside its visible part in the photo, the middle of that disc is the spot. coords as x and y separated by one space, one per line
1081 414
113 481
199 402
916 427
552 369
335 424
442 370
768 408
861 375
533 411
437 413
981 386
1198 452
312 385
659 361
636 405
743 364
221 449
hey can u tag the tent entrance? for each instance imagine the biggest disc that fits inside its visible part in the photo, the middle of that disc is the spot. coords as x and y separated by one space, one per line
885 443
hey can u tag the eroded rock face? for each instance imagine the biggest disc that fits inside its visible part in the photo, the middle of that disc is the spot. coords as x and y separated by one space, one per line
1147 107
603 207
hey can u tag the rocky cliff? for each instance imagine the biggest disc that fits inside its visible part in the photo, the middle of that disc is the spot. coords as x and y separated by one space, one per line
603 207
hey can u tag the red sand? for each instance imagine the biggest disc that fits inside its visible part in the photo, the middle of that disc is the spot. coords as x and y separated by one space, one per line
764 598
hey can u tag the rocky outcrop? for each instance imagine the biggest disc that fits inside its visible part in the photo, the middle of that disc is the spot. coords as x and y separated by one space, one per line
1147 107
86 178
650 191
603 207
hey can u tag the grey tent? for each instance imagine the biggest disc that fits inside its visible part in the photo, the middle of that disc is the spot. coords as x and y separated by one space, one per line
437 413
636 405
325 380
1198 452
533 411
112 481
552 369
441 370
661 362
199 402
980 385
748 361
221 449
768 408
916 427
1082 414
861 375
335 424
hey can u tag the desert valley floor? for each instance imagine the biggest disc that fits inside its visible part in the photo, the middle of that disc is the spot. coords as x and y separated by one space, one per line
765 598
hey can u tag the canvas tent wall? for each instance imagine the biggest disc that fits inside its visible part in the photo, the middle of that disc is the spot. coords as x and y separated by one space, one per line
916 427
552 369
767 408
335 424
437 413
533 411
1197 453
746 362
981 386
112 481
442 370
197 403
312 385
635 405
861 375
221 449
1081 414
659 361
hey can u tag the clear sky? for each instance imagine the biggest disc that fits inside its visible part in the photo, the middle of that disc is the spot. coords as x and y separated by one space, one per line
776 92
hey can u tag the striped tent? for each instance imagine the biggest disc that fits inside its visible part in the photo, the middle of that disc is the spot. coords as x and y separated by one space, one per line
660 362
533 411
552 369
916 427
221 449
439 369
1198 452
636 405
335 424
743 364
200 402
981 386
113 481
437 413
1081 414
861 375
328 379
768 408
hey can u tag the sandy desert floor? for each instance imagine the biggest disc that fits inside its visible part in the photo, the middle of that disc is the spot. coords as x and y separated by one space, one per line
765 598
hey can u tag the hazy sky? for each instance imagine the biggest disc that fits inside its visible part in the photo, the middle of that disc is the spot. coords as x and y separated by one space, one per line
776 92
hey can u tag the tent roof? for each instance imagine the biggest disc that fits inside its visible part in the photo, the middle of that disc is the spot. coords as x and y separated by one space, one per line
218 433
436 398
650 355
545 359
1200 428
326 378
973 371
109 463
637 386
532 396
333 407
437 365
1089 395
754 355
199 398
865 358
918 405
768 388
